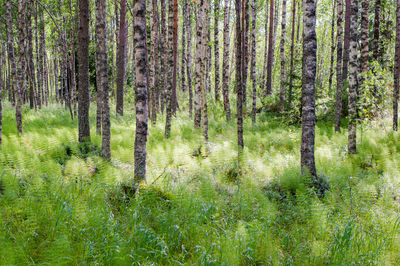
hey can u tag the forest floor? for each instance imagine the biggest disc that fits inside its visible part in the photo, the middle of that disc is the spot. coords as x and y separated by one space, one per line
60 203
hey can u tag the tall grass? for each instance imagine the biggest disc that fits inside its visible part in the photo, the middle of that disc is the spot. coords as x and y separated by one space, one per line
62 204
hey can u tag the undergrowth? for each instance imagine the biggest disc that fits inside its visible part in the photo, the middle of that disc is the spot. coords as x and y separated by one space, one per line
62 204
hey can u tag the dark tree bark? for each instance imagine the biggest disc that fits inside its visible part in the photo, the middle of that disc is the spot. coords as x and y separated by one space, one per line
264 74
31 65
268 89
216 51
163 51
102 72
239 70
199 61
206 37
377 25
171 74
253 61
225 63
396 70
11 53
183 41
353 78
121 58
333 46
283 58
339 60
346 44
83 86
21 64
245 52
154 58
141 90
175 54
308 90
189 56
291 73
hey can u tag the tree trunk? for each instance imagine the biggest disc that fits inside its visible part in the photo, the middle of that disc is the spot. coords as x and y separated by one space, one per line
239 71
245 52
39 59
183 41
268 89
332 47
339 77
121 59
283 58
83 86
175 54
171 74
189 56
290 96
264 75
199 83
154 58
225 63
141 91
21 63
163 50
206 38
102 73
346 44
43 54
396 70
31 65
377 23
308 89
353 77
253 61
216 51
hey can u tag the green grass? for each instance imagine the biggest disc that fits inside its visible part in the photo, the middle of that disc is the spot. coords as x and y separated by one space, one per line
62 204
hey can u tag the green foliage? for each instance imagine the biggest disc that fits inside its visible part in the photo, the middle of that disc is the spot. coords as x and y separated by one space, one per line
62 204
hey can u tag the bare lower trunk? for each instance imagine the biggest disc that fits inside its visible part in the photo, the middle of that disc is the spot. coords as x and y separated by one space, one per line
121 59
225 63
189 56
216 51
83 54
396 70
141 90
199 83
268 89
21 64
308 89
253 62
353 77
283 58
339 78
333 46
239 71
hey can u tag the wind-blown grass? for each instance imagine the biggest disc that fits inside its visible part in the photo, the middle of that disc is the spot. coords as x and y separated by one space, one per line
62 204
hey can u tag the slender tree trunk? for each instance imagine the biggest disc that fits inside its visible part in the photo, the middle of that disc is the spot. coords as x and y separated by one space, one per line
353 78
216 50
225 63
83 86
72 60
308 90
264 75
171 66
239 71
56 77
154 58
396 70
206 37
21 63
199 83
121 59
102 72
283 57
291 73
333 46
141 90
253 61
164 66
377 23
175 54
339 77
183 41
31 65
39 59
268 89
245 53
43 54
189 56
346 44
